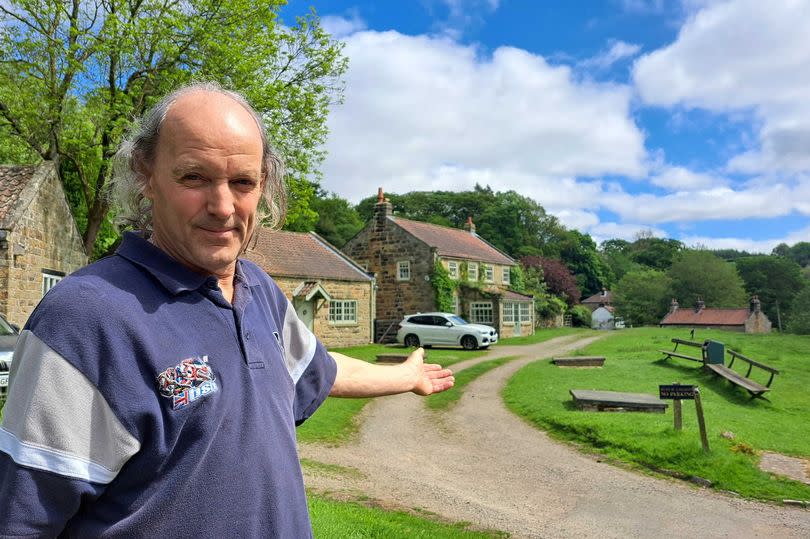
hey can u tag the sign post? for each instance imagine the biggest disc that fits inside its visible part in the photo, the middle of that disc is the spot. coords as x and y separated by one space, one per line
677 392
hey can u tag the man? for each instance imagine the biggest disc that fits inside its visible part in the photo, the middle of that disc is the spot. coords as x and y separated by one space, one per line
156 392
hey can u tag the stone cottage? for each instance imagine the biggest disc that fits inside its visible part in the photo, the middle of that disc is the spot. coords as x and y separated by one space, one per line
402 255
39 240
331 294
600 299
751 320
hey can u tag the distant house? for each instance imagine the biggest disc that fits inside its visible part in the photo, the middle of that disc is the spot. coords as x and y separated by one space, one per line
600 299
331 294
402 255
39 240
751 320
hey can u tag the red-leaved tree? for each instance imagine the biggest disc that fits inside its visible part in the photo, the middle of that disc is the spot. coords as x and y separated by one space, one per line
559 279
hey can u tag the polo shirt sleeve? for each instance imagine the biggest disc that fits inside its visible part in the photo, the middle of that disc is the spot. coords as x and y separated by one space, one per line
312 369
60 441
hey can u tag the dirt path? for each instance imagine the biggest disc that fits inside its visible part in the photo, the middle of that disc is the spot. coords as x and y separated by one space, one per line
484 465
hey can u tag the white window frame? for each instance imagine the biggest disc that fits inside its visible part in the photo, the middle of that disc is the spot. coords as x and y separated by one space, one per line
404 270
343 312
525 312
452 269
507 276
481 312
472 271
49 280
489 273
508 312
456 305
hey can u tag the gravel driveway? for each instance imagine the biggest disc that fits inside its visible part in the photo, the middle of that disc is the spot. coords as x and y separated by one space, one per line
480 463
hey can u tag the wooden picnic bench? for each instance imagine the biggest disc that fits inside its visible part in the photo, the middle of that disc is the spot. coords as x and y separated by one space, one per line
674 353
755 388
579 361
615 401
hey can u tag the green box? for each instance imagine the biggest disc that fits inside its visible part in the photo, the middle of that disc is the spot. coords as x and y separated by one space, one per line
715 352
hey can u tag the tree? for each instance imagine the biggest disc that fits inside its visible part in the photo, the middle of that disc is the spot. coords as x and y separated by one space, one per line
642 297
799 253
578 252
338 221
656 253
800 319
557 276
700 274
776 280
90 68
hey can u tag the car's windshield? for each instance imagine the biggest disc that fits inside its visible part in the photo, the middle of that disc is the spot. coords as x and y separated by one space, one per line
457 320
5 328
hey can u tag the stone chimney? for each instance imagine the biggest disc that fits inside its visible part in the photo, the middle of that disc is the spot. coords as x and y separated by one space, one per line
700 305
673 306
755 305
469 226
604 292
382 209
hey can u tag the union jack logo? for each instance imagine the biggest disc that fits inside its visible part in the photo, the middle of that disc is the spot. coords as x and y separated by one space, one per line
184 383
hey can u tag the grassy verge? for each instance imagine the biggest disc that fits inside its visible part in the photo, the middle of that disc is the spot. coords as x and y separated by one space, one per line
335 421
539 392
542 335
358 520
444 400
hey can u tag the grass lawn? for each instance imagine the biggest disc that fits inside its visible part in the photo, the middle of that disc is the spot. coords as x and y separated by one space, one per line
542 335
335 422
445 399
539 392
358 520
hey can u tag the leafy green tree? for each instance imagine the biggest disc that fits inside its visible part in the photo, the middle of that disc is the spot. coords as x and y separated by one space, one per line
656 253
700 274
75 74
800 319
642 296
776 280
338 221
578 251
799 253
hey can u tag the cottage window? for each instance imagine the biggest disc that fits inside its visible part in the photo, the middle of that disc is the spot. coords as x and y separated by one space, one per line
343 311
49 280
489 273
509 312
524 312
472 271
481 312
506 275
456 309
452 269
404 270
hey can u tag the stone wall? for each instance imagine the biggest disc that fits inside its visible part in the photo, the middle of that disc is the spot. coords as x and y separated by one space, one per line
44 239
757 322
338 335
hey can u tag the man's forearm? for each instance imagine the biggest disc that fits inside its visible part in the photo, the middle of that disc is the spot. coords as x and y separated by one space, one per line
356 378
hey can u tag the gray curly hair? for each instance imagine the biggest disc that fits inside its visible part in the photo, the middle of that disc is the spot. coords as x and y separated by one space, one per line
139 147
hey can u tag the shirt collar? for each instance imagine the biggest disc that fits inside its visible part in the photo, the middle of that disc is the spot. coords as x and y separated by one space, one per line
173 275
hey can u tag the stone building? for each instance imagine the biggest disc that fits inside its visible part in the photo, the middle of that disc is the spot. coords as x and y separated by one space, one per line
600 299
402 255
331 294
751 320
39 240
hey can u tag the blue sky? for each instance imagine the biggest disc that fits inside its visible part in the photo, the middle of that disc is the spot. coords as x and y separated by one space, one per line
690 119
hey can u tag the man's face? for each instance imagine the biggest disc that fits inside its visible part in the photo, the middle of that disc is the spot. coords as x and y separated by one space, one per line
205 182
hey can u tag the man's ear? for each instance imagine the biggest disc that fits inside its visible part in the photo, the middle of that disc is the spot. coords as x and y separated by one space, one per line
143 173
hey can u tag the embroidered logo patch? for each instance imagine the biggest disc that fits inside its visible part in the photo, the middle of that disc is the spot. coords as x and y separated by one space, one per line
192 379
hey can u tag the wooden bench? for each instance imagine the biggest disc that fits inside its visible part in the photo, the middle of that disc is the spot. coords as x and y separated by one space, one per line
391 358
615 401
754 388
579 361
673 353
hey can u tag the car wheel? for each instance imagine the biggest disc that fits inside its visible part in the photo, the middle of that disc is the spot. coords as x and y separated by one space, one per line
469 343
412 341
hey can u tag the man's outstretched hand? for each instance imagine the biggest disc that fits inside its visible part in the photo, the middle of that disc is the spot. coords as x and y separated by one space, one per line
428 378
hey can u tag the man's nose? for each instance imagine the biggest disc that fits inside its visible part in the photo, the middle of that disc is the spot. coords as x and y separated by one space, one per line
220 200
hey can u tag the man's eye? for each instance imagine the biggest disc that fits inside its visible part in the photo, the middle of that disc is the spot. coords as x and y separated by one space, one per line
193 178
245 183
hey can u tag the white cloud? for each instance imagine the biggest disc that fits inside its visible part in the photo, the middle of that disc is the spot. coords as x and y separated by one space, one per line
340 27
428 113
747 244
736 56
624 231
619 50
675 178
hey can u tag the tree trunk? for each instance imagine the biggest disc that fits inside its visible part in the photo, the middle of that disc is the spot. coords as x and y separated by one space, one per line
94 219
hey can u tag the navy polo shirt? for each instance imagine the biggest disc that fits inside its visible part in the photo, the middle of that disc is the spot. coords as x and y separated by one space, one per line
143 404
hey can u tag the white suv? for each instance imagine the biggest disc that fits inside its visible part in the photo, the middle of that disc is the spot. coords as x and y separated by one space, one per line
425 329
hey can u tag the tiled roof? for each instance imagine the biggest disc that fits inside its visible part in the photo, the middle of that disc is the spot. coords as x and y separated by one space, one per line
301 254
599 298
510 294
707 317
13 180
454 242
